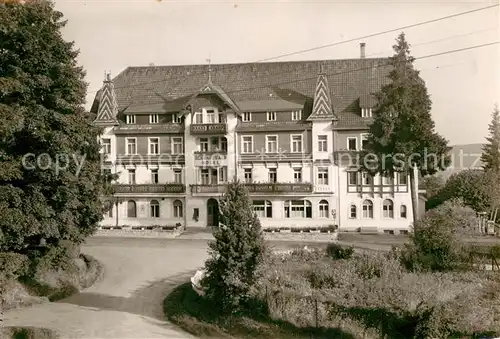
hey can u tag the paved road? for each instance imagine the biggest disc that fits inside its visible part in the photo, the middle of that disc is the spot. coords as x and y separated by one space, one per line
127 302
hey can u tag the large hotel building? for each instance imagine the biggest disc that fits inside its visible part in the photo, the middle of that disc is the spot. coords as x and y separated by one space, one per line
289 130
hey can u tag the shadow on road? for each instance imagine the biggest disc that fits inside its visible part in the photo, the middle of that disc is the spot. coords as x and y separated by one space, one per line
147 301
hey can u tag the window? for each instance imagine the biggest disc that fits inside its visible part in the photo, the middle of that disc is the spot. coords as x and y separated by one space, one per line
322 143
178 176
154 208
273 175
131 145
403 179
323 209
367 209
271 143
263 208
154 146
131 209
247 116
106 172
130 119
387 179
131 176
248 175
353 212
176 118
203 144
366 112
352 178
403 211
364 141
106 146
388 208
198 118
322 176
298 209
296 115
205 178
211 116
154 176
271 116
178 211
296 142
297 175
247 144
177 145
153 118
367 178
352 144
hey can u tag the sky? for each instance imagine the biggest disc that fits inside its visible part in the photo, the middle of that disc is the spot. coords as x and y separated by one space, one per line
464 86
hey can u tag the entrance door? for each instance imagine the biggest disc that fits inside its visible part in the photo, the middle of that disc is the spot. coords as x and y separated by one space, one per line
212 213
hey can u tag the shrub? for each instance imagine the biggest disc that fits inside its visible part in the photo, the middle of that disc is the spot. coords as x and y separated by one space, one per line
236 253
13 265
336 251
436 243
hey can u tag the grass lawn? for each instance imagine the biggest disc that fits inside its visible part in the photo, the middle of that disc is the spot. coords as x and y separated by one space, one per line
195 315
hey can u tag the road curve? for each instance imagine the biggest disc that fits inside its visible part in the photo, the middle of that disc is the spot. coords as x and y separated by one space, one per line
127 302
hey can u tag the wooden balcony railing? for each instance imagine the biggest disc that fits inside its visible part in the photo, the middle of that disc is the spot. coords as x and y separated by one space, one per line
149 188
257 188
209 128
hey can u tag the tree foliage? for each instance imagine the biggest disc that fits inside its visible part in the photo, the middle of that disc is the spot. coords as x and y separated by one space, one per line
471 186
402 134
491 150
236 253
436 243
42 92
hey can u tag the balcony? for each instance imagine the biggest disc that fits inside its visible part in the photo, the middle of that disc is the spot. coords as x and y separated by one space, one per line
209 128
257 188
279 188
149 188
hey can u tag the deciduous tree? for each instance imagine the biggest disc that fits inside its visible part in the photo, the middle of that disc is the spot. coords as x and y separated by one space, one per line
42 93
402 134
236 253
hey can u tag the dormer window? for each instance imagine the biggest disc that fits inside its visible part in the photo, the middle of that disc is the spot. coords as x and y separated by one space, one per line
366 112
209 115
271 116
297 115
247 117
153 118
130 119
176 118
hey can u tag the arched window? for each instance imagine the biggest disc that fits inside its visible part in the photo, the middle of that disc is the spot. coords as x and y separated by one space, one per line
403 211
131 209
154 206
178 210
353 212
388 208
298 209
263 208
367 209
323 209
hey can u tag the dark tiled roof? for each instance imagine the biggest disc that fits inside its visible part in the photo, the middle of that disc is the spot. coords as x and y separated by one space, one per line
291 81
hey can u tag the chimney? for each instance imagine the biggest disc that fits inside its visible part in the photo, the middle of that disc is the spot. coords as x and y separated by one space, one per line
362 49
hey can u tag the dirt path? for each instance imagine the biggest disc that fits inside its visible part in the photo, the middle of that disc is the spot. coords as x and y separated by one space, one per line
127 302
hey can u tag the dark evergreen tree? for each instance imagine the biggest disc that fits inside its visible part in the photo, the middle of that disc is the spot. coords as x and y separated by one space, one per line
236 253
491 150
402 134
42 92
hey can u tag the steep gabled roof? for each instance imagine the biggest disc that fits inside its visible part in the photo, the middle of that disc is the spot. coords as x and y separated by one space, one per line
322 104
108 106
292 83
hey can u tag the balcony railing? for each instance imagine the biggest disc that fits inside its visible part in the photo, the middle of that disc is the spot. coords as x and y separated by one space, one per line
149 188
209 128
257 188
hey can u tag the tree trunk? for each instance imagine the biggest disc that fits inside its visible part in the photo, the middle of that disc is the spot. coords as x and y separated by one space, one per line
414 194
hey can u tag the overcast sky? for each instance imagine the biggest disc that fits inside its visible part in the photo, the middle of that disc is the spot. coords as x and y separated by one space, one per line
464 86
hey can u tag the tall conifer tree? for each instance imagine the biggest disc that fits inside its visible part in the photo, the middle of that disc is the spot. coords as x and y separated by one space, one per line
490 156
